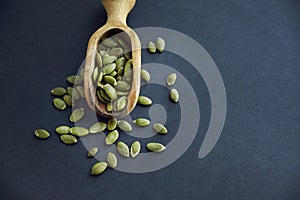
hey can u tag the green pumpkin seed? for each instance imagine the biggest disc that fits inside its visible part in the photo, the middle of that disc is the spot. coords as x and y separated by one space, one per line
160 44
98 59
123 149
100 77
151 47
73 92
121 103
68 100
100 97
159 128
174 95
171 79
110 91
145 101
98 168
145 75
108 59
109 79
62 130
59 104
112 137
141 122
124 126
41 133
135 149
116 52
112 123
95 74
80 91
77 114
79 131
113 74
109 68
155 147
68 139
122 85
104 95
121 42
120 71
98 127
109 107
58 91
109 42
122 93
92 152
111 160
74 79
103 53
120 63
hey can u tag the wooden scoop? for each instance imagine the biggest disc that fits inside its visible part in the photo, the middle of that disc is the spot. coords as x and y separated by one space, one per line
117 11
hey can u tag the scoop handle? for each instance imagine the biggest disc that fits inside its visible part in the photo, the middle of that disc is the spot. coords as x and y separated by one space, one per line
117 10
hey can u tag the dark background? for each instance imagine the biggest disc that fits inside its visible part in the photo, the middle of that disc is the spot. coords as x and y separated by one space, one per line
254 43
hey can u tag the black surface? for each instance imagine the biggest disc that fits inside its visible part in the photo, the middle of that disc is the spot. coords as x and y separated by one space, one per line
254 43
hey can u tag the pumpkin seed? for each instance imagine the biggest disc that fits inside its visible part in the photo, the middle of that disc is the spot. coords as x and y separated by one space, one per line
68 139
116 52
80 91
62 130
108 42
112 137
73 92
100 97
120 63
79 131
109 79
135 149
109 68
120 71
58 91
77 114
112 123
122 93
108 59
141 122
171 79
100 77
74 79
123 149
174 95
98 168
95 74
111 160
124 126
92 152
68 100
145 101
103 53
121 103
160 44
113 74
160 128
59 104
155 147
145 75
98 59
121 42
110 91
98 127
104 95
122 85
41 133
109 106
151 47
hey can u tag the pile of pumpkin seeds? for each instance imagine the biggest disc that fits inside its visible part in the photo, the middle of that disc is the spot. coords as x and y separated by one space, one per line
110 76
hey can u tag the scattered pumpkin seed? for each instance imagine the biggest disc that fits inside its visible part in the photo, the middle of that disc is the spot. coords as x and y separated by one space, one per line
92 152
145 75
59 104
171 79
74 79
159 128
73 92
123 149
121 103
79 131
151 47
80 91
111 160
109 106
112 137
135 149
141 122
145 101
109 42
58 91
112 123
68 139
174 95
68 100
160 44
124 126
77 114
98 127
62 130
41 133
98 168
155 147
